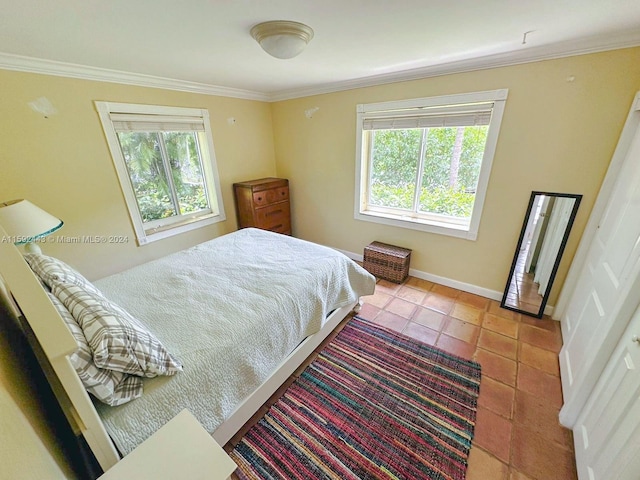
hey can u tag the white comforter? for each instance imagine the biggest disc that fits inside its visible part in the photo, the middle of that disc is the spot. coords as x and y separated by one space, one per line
231 310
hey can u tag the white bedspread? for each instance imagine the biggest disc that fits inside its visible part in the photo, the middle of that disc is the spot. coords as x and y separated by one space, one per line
231 310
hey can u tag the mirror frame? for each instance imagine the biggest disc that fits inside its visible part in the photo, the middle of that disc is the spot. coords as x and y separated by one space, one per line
556 264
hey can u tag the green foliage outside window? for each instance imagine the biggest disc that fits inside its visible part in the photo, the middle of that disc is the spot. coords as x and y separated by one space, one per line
152 184
451 166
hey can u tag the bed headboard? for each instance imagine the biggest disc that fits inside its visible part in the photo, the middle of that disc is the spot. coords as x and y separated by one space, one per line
24 294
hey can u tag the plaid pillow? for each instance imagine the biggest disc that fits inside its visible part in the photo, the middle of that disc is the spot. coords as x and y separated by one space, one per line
51 271
118 341
112 388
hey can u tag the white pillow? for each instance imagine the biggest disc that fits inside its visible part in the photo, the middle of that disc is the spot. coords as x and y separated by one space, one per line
118 341
112 388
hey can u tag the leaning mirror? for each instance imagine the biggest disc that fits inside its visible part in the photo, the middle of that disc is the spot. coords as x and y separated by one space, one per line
544 234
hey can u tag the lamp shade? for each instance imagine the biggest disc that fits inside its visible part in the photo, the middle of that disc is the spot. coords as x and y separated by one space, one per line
24 222
282 38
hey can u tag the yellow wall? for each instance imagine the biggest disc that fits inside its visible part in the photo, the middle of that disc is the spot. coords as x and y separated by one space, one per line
557 136
63 165
29 448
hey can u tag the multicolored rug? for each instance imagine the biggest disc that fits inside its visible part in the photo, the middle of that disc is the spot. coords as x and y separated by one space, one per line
374 404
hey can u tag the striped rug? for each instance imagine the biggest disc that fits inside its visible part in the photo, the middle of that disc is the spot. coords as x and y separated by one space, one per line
374 404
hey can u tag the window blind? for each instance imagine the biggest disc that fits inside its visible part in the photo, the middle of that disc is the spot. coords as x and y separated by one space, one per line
454 116
127 122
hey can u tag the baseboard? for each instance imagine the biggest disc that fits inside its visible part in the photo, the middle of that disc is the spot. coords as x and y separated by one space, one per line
448 282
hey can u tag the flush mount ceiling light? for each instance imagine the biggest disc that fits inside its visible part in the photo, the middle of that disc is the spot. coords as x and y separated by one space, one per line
282 38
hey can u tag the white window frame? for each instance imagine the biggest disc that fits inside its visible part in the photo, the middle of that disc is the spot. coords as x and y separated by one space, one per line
435 223
164 228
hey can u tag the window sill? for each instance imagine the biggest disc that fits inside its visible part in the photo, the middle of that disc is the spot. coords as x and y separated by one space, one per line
171 230
440 228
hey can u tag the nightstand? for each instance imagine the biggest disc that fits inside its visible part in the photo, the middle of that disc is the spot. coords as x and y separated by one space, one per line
180 449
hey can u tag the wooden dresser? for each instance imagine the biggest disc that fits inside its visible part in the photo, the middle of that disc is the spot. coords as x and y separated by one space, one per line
264 204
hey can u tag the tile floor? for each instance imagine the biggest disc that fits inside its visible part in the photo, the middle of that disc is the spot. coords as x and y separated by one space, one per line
517 435
523 291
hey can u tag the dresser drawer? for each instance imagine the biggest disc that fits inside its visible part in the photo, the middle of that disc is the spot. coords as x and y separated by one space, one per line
263 203
274 217
267 197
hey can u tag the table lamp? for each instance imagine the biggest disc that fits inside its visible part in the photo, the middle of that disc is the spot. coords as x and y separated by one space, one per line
25 223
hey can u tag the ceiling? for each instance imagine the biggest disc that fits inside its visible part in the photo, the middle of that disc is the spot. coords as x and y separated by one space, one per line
204 45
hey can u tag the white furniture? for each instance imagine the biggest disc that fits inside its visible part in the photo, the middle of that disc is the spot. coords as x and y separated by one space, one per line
180 449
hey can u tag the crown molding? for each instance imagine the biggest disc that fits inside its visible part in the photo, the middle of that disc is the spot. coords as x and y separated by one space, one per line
571 48
71 70
583 46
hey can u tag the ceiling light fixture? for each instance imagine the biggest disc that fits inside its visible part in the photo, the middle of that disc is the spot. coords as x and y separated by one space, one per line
282 38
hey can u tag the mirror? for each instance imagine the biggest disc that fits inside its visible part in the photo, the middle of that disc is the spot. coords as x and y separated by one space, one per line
544 234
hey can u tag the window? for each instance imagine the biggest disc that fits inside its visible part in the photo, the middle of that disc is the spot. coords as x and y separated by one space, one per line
424 163
166 166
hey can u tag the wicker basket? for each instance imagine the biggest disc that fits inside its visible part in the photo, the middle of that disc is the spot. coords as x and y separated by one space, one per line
387 261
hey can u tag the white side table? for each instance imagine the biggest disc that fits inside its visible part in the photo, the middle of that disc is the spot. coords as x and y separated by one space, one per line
180 449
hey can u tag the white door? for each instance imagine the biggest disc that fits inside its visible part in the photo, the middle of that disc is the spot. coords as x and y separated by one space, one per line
607 433
607 290
540 219
558 222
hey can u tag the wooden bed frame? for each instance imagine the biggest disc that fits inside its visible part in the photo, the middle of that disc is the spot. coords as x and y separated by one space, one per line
27 299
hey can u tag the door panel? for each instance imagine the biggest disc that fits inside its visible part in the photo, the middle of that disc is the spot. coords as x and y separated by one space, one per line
607 432
599 308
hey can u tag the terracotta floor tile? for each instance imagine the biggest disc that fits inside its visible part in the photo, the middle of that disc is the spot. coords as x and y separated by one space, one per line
472 300
401 307
467 314
439 303
445 291
545 323
378 299
496 366
391 320
467 332
420 332
493 433
497 397
484 466
539 358
496 343
385 286
535 413
539 383
536 456
429 318
515 475
496 309
369 311
540 337
419 284
456 347
501 325
411 294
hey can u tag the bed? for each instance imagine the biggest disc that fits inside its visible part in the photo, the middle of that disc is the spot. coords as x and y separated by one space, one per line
239 313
